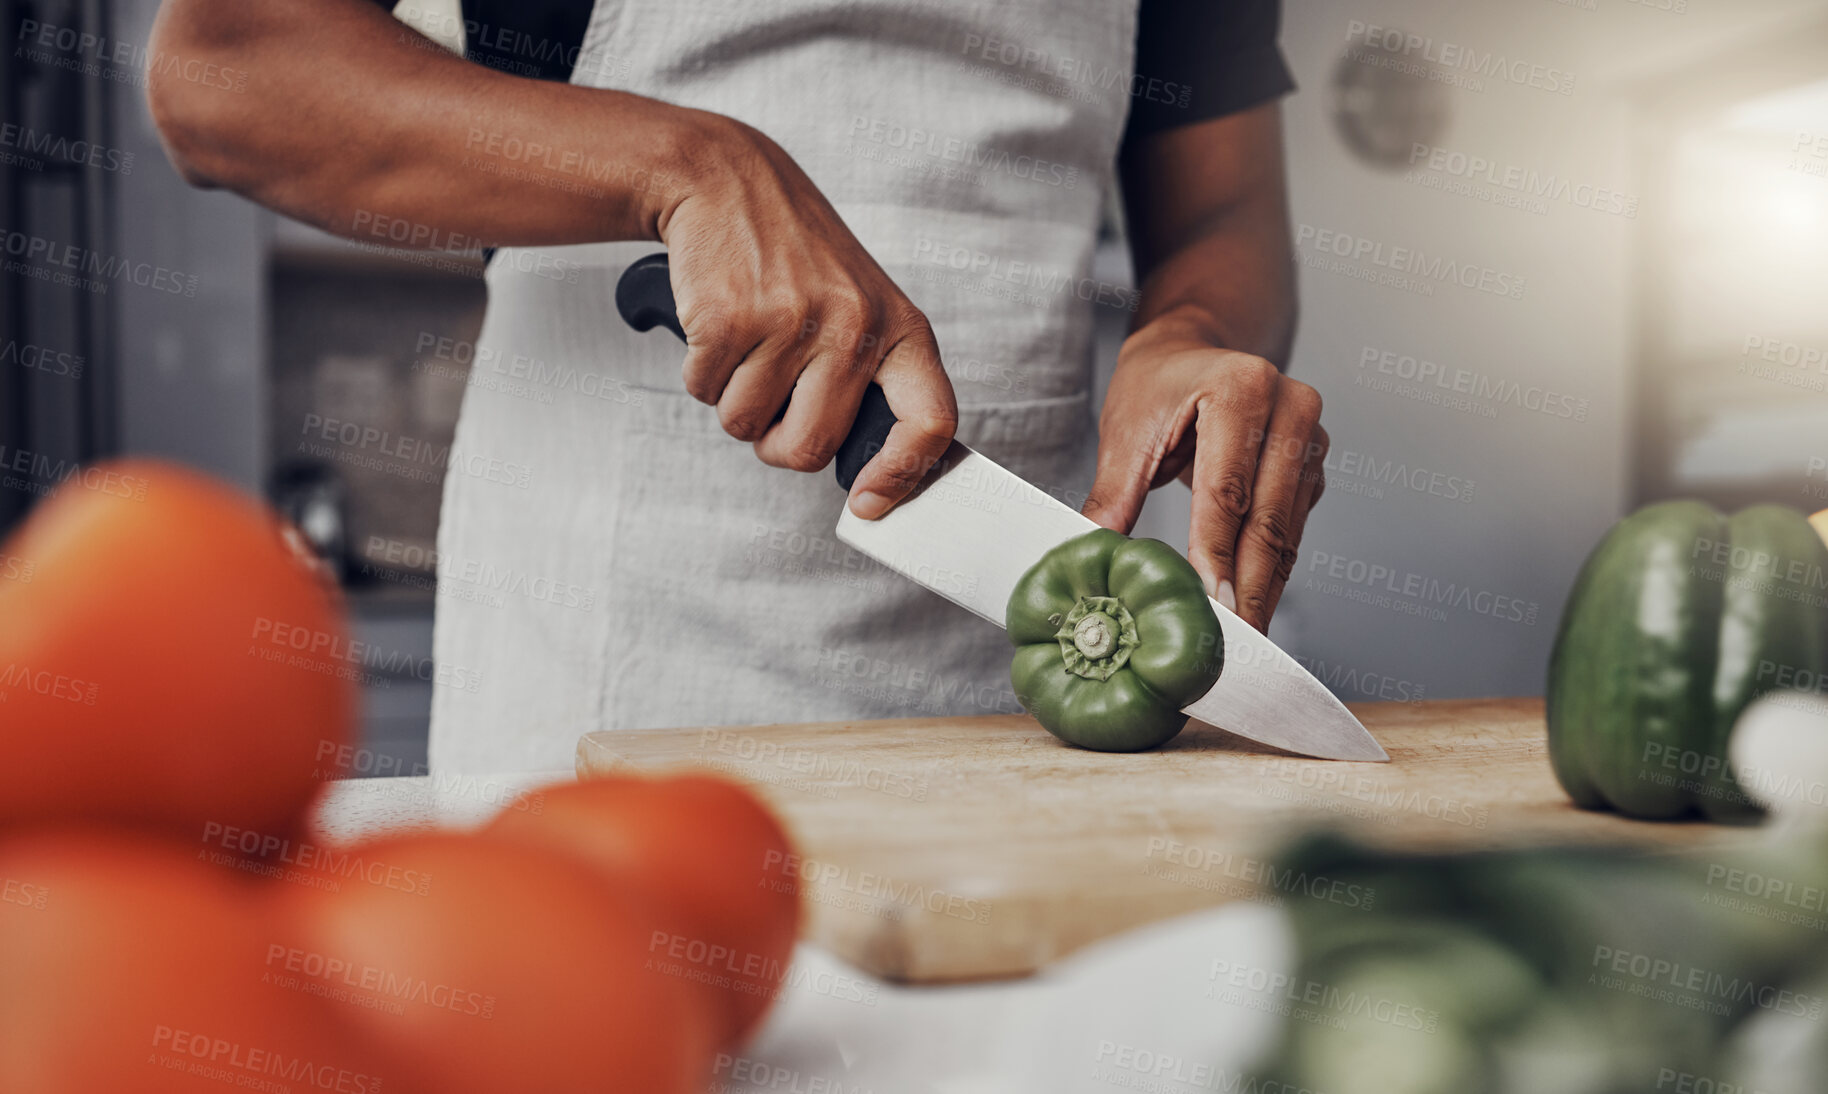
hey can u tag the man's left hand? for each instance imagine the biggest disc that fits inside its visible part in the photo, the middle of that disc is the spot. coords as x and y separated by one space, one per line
1246 438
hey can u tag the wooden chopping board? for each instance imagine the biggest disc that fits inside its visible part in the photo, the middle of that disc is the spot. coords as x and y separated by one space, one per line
962 848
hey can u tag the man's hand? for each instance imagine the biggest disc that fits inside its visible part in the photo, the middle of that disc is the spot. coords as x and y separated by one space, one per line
776 296
1197 393
779 300
1246 438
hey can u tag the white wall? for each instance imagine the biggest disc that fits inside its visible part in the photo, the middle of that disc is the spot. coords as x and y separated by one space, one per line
1542 485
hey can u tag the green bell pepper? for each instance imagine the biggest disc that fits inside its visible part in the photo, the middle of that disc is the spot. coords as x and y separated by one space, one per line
1679 619
1114 636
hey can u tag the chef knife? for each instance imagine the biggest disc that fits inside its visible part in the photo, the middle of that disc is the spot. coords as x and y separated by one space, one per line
971 529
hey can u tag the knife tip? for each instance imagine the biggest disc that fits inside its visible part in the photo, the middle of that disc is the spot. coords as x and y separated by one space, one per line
1370 751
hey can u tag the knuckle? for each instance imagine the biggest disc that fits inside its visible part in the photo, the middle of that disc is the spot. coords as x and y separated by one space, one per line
701 381
744 423
857 349
909 324
1232 495
810 453
863 308
855 336
715 337
708 313
940 424
708 338
803 324
787 323
1270 532
1303 399
1256 378
1285 565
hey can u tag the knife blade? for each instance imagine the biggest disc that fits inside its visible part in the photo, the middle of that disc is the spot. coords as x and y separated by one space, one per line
972 528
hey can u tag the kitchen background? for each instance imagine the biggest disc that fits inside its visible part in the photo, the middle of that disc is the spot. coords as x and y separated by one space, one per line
1534 295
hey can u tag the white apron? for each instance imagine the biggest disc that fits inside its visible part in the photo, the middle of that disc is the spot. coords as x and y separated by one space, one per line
609 558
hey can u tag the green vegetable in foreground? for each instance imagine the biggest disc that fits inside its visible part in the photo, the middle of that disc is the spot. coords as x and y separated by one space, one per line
1679 619
1114 636
1578 971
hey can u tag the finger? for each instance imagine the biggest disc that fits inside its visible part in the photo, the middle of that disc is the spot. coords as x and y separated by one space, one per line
821 407
1313 481
760 387
1319 469
1266 549
715 347
1273 546
926 412
846 345
1129 466
1120 485
1230 431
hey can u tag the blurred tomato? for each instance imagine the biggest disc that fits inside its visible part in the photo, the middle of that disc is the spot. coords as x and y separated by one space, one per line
484 967
167 657
128 966
715 865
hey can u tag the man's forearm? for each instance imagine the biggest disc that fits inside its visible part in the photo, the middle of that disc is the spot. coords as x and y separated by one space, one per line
346 116
1209 232
1232 288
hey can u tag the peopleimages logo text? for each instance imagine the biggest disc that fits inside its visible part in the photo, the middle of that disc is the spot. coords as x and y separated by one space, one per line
1072 71
1428 590
1409 261
1489 64
1525 180
1464 381
31 141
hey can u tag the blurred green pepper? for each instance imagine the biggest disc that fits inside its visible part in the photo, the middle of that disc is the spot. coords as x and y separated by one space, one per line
1583 971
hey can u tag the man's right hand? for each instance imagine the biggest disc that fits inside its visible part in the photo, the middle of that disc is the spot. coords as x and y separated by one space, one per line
777 298
782 307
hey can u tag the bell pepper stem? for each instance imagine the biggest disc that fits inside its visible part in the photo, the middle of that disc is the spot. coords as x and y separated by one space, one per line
1096 637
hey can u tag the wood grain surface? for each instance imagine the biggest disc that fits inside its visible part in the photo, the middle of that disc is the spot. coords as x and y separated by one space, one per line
964 848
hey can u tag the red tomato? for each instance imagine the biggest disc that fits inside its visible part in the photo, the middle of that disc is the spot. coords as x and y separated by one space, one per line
167 658
131 967
715 865
484 968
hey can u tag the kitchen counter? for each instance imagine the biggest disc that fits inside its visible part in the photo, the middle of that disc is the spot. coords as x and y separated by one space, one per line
1130 1013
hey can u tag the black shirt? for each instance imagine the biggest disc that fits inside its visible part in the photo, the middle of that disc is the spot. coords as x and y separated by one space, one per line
1223 51
1219 56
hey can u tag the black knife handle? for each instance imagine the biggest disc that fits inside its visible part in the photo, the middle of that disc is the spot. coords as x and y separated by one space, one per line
644 297
869 432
